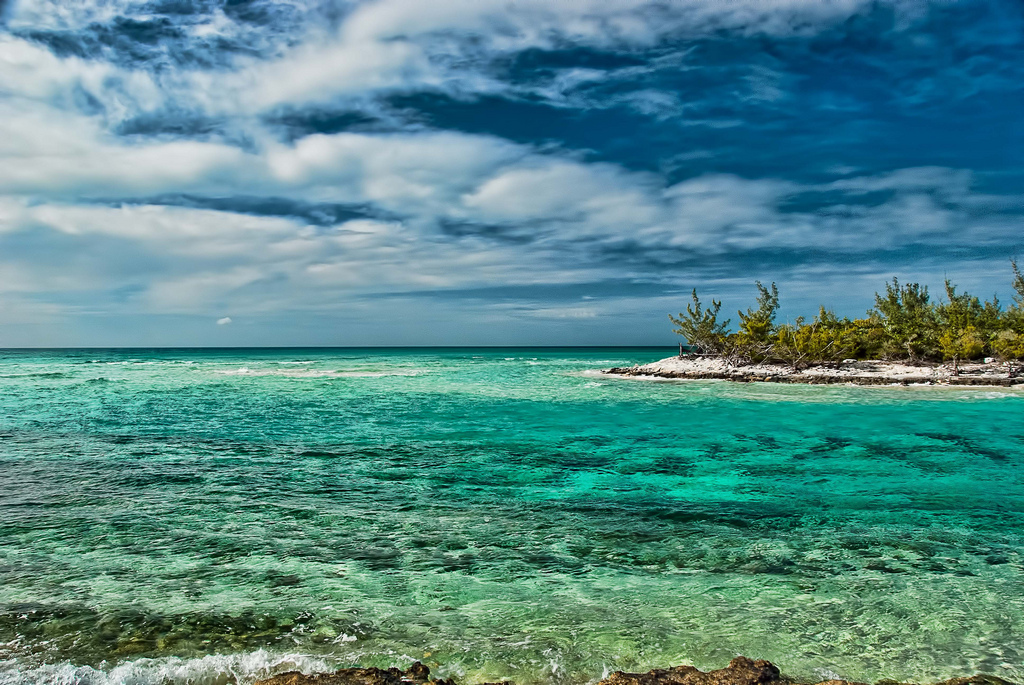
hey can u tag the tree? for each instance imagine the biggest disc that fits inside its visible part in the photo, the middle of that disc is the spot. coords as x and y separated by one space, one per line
701 326
757 326
1009 346
1018 286
827 339
907 317
960 343
965 324
868 337
1013 317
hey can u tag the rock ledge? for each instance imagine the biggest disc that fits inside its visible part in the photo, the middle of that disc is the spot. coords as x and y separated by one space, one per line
864 372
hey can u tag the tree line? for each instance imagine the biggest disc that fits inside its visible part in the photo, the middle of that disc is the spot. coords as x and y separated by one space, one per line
905 324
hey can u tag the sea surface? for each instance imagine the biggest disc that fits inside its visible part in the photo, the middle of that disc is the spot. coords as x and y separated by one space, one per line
213 516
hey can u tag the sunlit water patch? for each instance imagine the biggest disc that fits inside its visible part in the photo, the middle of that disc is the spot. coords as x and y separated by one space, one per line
496 514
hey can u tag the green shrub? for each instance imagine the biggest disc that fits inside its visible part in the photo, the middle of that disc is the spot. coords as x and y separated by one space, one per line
1008 345
824 340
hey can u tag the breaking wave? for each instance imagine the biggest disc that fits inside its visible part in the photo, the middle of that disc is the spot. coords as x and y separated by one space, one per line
215 669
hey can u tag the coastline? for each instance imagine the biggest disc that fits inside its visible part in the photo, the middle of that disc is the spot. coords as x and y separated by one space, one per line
849 372
740 671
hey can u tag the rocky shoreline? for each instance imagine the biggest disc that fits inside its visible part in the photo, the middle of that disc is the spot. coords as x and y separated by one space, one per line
855 372
740 671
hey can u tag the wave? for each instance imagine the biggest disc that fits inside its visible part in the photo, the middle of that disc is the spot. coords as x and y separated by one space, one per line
139 362
316 373
215 669
36 374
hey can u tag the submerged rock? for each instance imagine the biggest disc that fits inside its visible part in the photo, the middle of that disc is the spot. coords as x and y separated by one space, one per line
740 671
417 674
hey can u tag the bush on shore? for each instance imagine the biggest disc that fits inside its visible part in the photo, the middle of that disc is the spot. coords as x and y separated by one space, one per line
904 325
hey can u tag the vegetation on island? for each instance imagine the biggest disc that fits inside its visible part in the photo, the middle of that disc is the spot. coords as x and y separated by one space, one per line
906 324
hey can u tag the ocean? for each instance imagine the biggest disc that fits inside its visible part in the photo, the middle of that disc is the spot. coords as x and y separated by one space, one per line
215 516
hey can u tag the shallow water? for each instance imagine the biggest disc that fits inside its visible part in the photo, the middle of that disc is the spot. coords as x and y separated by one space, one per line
207 516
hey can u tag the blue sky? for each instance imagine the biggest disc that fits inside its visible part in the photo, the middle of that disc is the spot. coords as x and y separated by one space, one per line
399 172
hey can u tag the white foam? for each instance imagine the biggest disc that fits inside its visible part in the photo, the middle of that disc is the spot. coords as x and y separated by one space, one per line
988 395
826 674
139 362
236 372
215 669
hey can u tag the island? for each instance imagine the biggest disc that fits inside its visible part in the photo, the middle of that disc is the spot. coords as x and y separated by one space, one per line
905 339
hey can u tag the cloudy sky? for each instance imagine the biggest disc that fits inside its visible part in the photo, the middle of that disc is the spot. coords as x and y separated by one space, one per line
277 172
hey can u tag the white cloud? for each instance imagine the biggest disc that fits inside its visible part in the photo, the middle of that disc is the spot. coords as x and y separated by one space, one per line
941 179
562 312
400 172
544 189
322 73
598 22
387 45
224 321
68 14
405 45
30 73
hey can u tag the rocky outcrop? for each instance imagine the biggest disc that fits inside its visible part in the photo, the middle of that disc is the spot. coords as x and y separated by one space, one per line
740 671
871 372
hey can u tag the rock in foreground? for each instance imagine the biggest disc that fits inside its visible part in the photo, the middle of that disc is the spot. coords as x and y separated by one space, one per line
416 674
740 671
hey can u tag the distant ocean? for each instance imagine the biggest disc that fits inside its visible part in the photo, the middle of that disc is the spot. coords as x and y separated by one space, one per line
206 516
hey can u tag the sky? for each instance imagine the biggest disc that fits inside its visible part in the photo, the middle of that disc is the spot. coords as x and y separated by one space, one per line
493 172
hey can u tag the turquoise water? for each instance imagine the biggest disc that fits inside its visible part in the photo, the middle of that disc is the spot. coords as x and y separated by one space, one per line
212 516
